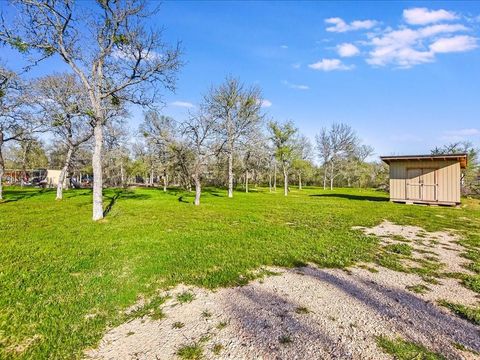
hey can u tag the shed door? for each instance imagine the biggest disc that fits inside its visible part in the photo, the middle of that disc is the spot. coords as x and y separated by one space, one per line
414 191
429 186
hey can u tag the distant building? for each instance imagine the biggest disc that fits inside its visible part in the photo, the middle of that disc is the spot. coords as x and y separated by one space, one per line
426 179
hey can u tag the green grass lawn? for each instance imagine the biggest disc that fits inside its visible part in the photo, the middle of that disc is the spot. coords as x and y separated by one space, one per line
64 278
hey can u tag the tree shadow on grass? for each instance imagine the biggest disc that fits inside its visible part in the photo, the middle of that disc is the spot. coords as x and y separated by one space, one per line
13 195
414 318
353 197
123 195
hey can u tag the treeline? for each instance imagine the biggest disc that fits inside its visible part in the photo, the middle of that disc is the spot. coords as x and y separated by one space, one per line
122 62
228 141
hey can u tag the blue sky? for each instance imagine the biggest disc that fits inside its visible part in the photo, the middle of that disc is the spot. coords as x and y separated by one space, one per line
404 75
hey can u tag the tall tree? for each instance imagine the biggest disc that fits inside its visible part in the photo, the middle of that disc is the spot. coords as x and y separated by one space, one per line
65 104
333 146
283 139
237 110
13 119
198 131
117 59
159 131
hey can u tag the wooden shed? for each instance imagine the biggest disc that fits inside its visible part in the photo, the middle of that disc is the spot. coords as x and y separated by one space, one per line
426 179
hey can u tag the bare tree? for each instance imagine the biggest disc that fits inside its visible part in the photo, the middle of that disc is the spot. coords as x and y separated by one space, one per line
116 60
283 139
324 149
65 104
13 119
237 110
159 131
198 131
333 146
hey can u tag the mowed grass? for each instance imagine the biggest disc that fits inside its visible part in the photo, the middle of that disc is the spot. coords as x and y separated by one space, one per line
64 279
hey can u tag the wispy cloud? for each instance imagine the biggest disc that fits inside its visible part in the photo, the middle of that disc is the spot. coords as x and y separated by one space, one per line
347 50
296 86
284 46
184 104
423 16
296 65
266 103
339 25
330 65
460 134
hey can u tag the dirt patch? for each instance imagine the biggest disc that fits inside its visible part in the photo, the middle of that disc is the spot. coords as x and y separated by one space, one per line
311 313
442 245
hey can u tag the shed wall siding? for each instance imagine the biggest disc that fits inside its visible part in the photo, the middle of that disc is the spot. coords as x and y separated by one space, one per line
448 175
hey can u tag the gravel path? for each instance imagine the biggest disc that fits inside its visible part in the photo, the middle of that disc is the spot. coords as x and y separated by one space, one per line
306 313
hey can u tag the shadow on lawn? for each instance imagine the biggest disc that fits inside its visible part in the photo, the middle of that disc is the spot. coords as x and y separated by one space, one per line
12 196
353 197
124 195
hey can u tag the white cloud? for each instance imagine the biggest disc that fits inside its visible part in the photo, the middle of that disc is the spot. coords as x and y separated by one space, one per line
347 50
407 47
284 46
184 104
330 65
266 103
296 65
339 25
458 43
423 16
296 86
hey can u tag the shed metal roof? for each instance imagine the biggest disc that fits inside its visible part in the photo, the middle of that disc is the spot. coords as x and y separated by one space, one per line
462 158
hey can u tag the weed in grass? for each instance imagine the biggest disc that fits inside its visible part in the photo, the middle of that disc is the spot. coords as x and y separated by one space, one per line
217 349
402 249
130 333
178 325
222 325
404 350
471 314
302 310
472 282
190 352
398 237
206 314
419 288
285 339
185 297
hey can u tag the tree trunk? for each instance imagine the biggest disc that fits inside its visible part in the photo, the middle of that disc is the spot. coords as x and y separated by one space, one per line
165 181
198 189
299 181
331 183
325 179
269 181
285 181
122 174
97 173
151 177
275 177
63 173
246 181
230 173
